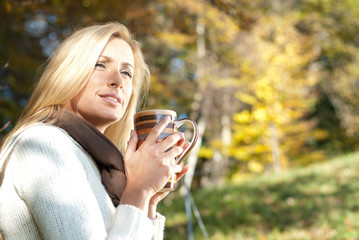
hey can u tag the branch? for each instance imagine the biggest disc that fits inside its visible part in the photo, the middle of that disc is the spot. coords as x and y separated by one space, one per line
2 72
5 126
28 3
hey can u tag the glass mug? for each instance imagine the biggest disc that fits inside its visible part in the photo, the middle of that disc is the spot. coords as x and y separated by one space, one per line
144 122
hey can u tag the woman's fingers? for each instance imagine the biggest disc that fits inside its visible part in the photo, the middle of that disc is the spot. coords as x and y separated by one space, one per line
185 146
177 168
170 146
154 162
183 172
158 197
171 141
158 129
131 145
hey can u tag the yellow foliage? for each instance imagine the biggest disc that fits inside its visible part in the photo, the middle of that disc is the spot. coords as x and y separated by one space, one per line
261 149
156 85
278 88
216 143
205 152
224 28
242 136
191 6
241 153
246 68
311 80
246 152
227 82
240 177
311 157
8 7
246 98
255 167
320 134
242 132
243 117
260 114
175 40
221 27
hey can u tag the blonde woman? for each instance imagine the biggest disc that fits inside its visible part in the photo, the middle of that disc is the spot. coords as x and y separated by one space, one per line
62 174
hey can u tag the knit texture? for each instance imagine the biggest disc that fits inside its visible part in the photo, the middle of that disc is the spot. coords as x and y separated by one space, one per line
105 154
52 190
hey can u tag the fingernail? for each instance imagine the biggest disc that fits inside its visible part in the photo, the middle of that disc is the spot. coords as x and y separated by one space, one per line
132 132
178 168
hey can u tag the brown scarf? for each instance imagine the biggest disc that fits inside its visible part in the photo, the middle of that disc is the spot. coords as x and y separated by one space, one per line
105 154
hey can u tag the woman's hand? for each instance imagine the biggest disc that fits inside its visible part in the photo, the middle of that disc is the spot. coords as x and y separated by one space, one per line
161 195
149 168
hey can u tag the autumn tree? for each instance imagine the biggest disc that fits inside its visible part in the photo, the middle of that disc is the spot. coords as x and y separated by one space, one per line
269 79
32 29
335 26
278 92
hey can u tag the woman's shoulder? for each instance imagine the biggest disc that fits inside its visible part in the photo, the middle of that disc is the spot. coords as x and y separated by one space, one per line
40 141
41 129
43 140
43 132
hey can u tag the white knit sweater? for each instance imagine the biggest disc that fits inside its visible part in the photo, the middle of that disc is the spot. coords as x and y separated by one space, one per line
51 189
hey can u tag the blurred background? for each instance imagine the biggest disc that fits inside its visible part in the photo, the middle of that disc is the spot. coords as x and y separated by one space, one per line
272 84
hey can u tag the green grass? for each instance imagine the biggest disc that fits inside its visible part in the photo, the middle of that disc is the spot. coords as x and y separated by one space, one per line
316 202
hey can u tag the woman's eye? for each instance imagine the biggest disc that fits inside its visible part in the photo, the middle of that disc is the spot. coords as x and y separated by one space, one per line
127 74
99 64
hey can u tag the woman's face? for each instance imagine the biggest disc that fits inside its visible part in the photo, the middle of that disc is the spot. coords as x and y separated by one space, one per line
106 95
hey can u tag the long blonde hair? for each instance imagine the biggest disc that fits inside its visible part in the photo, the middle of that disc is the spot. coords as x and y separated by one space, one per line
69 69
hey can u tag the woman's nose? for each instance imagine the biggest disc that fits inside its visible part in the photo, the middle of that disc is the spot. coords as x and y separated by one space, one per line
116 80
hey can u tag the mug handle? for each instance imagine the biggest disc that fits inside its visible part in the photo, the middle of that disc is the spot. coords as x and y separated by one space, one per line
179 123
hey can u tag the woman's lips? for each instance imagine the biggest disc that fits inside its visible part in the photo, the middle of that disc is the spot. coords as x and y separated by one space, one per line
111 99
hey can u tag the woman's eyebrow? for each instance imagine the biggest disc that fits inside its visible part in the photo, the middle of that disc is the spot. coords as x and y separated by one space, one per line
128 65
110 59
106 57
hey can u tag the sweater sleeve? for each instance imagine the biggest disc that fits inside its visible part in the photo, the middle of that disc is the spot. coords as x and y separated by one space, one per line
159 225
52 181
